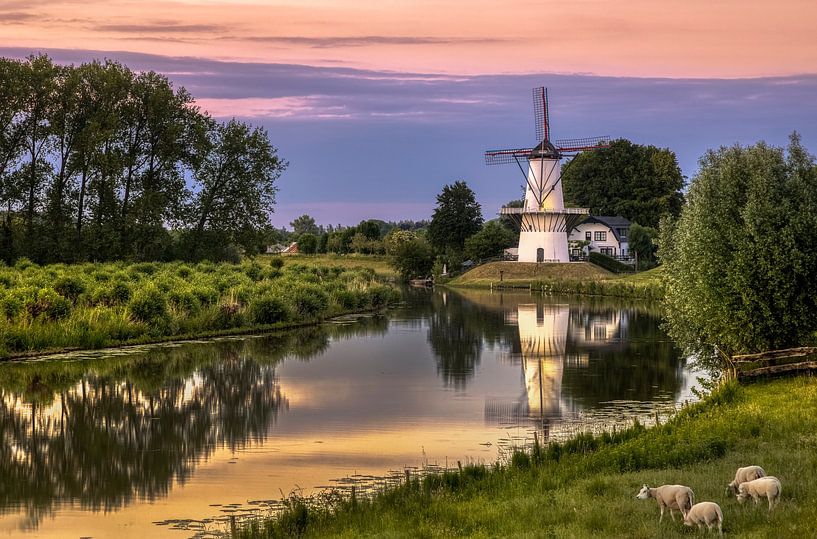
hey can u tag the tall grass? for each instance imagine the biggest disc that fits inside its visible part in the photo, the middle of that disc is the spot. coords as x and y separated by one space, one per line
97 305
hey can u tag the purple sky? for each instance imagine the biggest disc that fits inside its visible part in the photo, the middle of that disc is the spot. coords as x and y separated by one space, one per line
381 144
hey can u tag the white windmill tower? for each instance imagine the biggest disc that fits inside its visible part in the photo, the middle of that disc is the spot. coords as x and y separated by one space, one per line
544 221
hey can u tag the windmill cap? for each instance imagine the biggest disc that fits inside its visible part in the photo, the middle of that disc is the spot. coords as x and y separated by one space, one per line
545 149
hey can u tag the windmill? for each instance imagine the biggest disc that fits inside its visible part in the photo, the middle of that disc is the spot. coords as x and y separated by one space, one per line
544 221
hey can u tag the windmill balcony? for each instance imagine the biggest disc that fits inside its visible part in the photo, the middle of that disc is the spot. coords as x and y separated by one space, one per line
518 211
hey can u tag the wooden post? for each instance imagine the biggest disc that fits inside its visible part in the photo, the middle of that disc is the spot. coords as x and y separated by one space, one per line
233 531
459 465
408 476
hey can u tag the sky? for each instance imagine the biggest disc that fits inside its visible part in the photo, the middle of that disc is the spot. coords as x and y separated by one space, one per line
377 105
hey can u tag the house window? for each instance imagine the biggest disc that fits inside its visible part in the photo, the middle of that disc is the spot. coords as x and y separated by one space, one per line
600 236
622 233
587 236
609 251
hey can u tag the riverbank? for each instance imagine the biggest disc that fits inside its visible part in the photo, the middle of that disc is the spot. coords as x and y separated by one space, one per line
57 308
581 278
586 487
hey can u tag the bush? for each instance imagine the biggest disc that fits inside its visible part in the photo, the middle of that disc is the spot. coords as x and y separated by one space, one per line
69 287
185 300
228 315
380 296
610 264
148 305
277 262
268 309
310 301
47 302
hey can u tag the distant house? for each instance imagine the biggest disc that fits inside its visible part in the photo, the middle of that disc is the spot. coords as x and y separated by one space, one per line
291 250
607 235
276 249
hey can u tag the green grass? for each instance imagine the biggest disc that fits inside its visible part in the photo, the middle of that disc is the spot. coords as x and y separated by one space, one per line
586 487
575 278
378 263
87 306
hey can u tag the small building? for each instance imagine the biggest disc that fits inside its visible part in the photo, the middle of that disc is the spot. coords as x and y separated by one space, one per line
607 235
291 250
275 249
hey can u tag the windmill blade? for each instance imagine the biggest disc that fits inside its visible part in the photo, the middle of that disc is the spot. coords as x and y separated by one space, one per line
502 157
576 145
541 115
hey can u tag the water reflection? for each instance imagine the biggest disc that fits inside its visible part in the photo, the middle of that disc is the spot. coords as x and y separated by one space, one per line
573 355
111 432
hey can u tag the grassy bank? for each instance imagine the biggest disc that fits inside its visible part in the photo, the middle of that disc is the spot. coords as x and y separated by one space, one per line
86 306
574 278
586 487
378 263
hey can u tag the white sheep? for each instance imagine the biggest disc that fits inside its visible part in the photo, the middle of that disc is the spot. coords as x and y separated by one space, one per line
747 473
671 496
708 513
768 486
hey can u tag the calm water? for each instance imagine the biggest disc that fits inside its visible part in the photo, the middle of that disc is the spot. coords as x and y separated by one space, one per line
137 443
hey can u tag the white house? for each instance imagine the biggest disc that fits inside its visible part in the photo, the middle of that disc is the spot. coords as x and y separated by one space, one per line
607 235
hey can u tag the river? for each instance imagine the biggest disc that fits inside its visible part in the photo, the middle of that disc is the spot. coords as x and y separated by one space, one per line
169 440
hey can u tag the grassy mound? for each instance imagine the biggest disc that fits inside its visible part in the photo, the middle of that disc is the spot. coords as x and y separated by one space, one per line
586 487
513 272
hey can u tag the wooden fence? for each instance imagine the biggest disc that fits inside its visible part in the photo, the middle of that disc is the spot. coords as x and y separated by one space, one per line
775 363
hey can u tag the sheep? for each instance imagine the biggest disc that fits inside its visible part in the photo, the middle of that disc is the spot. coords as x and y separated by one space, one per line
671 496
707 513
768 486
747 473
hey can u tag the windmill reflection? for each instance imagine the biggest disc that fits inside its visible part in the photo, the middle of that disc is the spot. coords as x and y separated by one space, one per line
553 340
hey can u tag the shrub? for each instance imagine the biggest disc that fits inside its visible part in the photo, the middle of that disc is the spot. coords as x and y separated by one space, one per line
254 271
10 305
380 296
47 302
69 287
350 299
185 300
276 262
309 301
610 264
268 309
148 305
228 315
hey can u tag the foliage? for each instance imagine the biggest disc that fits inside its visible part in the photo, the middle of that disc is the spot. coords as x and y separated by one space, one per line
741 262
642 242
641 183
307 243
489 242
457 217
411 255
98 162
103 304
609 263
305 224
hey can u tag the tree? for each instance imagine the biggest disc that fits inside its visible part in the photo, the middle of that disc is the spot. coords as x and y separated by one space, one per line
489 242
307 244
741 261
641 183
237 181
641 241
370 229
412 256
456 217
304 225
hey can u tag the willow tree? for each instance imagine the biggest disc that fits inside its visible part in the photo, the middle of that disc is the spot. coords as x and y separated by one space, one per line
741 261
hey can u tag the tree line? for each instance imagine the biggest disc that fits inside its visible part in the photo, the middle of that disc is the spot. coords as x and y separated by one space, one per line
98 162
